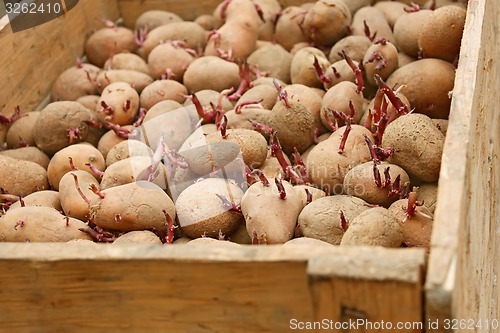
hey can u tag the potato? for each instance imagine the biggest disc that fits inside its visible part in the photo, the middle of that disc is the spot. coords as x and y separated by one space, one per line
428 194
110 139
374 227
442 125
288 31
138 80
310 99
407 31
208 158
206 98
441 34
138 237
240 236
106 42
198 137
39 224
162 90
305 154
72 202
46 198
80 154
354 46
130 170
89 101
273 60
152 19
294 125
21 177
119 104
252 144
337 98
321 219
126 149
169 60
338 72
129 61
417 144
193 34
270 219
360 182
20 132
265 94
135 206
415 78
381 59
32 154
315 193
392 10
376 22
270 10
213 73
302 70
417 229
404 59
75 82
327 22
271 166
207 22
55 123
160 108
305 241
327 167
242 119
201 212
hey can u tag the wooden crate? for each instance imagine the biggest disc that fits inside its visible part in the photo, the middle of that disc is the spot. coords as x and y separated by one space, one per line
70 288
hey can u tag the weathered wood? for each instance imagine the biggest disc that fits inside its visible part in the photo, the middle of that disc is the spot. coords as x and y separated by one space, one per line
464 260
131 9
32 59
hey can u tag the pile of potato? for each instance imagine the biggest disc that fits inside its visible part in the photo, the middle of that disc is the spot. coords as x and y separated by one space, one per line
257 124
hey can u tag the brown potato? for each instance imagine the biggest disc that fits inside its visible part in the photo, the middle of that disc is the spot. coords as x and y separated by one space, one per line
169 60
242 119
288 31
75 82
321 219
201 212
310 99
162 90
126 149
417 229
32 154
152 19
354 46
265 94
72 203
46 198
381 59
89 101
110 139
302 70
407 31
207 22
119 104
39 224
327 21
105 42
337 98
428 195
129 61
315 193
392 10
376 22
212 73
22 177
20 132
138 237
138 80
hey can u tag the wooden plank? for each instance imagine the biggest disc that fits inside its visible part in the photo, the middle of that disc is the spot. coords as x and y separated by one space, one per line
464 259
32 59
378 290
131 9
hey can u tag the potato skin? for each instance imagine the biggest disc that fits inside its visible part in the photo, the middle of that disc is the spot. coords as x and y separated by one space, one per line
274 60
287 30
75 82
39 224
138 80
374 227
46 198
321 218
212 73
22 177
32 154
272 219
417 229
201 212
135 206
108 41
72 203
21 131
407 31
418 145
138 237
327 21
162 90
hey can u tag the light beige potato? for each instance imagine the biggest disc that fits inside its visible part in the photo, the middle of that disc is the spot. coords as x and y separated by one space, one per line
274 60
270 219
404 59
265 94
306 241
302 70
327 167
89 101
138 237
441 35
119 104
168 59
271 166
160 108
20 177
374 227
428 195
337 98
270 10
211 157
192 33
162 90
327 21
288 31
20 132
253 145
75 82
52 127
417 144
207 22
110 139
310 99
242 119
417 229
201 211
46 198
392 10
72 203
212 73
152 19
106 42
305 154
426 83
126 149
360 182
39 224
129 61
316 193
338 72
80 154
240 236
380 59
407 30
354 46
376 22
321 218
135 206
32 154
138 80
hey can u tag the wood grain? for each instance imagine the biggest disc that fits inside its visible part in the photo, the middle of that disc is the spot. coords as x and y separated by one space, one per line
464 260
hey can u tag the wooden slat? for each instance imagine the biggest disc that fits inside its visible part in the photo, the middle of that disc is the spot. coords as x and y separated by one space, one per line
464 260
375 291
131 9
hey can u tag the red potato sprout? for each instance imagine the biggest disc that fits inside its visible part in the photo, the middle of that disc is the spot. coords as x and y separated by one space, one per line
343 221
260 175
261 127
140 35
9 120
344 138
320 73
229 205
309 197
282 94
252 103
223 127
391 95
412 8
74 134
87 201
377 153
335 72
281 189
357 71
20 224
94 189
95 170
368 33
140 117
171 228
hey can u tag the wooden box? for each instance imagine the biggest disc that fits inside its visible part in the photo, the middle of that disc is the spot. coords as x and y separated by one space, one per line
69 288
